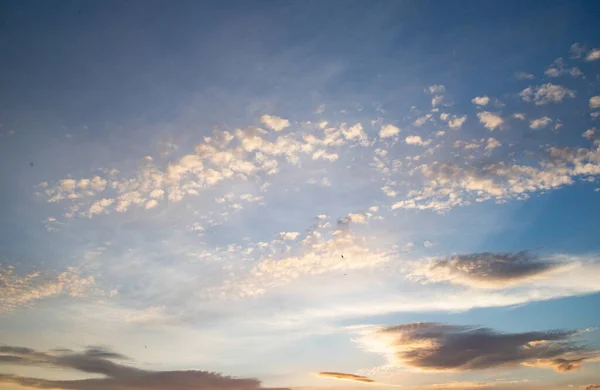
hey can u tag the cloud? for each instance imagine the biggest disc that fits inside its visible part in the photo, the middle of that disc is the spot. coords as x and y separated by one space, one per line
593 55
325 249
540 123
17 291
591 387
355 132
481 100
117 376
274 122
485 270
519 115
490 120
421 120
492 143
442 347
524 76
448 185
595 102
547 93
437 100
436 89
288 236
457 122
388 131
589 133
322 154
416 140
559 68
342 375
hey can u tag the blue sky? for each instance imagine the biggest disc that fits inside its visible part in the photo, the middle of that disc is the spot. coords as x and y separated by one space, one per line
299 195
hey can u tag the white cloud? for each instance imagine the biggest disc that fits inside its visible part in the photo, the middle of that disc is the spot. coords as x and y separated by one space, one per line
357 218
457 122
421 120
490 120
318 255
519 115
445 116
151 204
388 131
448 185
589 133
595 102
593 55
389 191
288 236
559 68
576 50
416 140
324 155
17 291
320 109
481 100
492 143
524 76
436 89
546 93
540 122
98 206
437 100
355 132
274 122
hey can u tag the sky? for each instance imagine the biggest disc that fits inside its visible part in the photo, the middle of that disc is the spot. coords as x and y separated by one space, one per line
309 195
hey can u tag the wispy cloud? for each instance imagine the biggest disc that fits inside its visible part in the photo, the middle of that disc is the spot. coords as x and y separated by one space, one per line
344 376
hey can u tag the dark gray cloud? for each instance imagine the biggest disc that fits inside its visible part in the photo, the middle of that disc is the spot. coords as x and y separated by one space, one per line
98 360
442 347
486 269
343 375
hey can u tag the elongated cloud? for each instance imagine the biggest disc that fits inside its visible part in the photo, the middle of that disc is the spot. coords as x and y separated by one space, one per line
486 270
342 375
547 93
443 347
118 376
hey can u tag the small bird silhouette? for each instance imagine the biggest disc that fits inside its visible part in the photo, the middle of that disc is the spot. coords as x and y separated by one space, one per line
342 256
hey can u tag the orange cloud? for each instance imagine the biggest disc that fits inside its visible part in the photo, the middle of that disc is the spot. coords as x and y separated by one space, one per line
343 375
